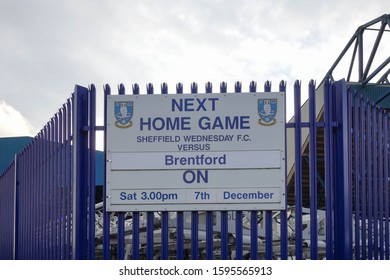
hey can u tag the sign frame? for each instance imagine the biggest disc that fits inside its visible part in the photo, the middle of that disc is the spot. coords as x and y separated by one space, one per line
196 152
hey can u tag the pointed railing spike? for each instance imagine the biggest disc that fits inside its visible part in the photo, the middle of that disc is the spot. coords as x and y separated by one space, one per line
252 86
164 88
179 88
209 87
194 88
149 88
237 86
135 89
223 87
121 89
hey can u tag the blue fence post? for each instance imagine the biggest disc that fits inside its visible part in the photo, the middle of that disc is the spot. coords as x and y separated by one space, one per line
150 214
224 235
179 234
45 224
313 172
164 235
343 192
381 184
375 180
363 138
283 213
121 215
298 170
209 235
329 178
164 214
194 235
268 213
135 215
92 170
15 211
149 234
356 149
239 233
386 182
254 235
135 241
51 170
369 180
80 178
68 157
106 214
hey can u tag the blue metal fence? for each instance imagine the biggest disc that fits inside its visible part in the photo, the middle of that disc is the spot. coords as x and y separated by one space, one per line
42 211
47 195
7 213
370 178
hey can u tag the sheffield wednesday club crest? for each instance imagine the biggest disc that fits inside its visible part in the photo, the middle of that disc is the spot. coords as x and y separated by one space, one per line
123 113
267 109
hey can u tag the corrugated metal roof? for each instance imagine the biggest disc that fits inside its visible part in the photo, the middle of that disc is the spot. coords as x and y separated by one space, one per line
9 146
379 94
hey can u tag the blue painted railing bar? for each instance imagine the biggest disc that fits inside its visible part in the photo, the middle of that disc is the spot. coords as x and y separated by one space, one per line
283 213
209 235
369 181
106 215
380 186
386 183
313 171
343 192
180 235
80 174
363 181
194 232
254 236
149 233
298 170
375 185
164 235
239 233
329 180
355 137
121 215
268 214
224 235
135 236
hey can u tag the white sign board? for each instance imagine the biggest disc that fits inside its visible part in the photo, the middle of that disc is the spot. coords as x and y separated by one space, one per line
185 152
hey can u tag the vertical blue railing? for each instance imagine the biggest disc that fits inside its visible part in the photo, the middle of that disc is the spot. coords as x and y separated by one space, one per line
370 167
341 165
7 213
298 170
43 193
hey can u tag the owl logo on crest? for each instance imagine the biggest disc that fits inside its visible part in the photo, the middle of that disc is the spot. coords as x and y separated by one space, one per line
267 109
123 113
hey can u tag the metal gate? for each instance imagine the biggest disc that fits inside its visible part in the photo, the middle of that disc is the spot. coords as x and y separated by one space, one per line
337 187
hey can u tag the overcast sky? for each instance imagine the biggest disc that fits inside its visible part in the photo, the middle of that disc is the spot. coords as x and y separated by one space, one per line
48 46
